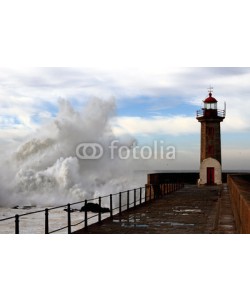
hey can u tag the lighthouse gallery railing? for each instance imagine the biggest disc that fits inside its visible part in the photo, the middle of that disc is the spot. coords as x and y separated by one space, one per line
203 113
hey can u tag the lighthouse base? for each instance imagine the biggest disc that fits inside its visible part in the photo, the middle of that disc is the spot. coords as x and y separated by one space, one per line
210 172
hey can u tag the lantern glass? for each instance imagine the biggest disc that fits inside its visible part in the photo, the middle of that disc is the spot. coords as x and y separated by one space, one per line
210 105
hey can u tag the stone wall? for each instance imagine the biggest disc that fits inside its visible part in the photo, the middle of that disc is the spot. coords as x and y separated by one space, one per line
183 177
239 189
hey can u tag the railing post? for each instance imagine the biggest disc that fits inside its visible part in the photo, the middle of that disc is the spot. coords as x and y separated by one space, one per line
86 215
120 203
127 200
140 195
69 219
150 195
100 214
111 206
46 221
16 224
134 197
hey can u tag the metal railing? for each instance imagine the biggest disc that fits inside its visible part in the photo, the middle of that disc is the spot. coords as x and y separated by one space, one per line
211 113
118 203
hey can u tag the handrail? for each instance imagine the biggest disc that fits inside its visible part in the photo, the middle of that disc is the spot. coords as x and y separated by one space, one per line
216 113
151 192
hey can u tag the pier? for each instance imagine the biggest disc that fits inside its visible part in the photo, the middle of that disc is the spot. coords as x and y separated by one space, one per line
193 210
156 208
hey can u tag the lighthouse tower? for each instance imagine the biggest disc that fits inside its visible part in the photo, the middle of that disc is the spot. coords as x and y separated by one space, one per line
210 118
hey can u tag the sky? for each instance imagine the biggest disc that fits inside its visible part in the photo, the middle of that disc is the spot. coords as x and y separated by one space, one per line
150 105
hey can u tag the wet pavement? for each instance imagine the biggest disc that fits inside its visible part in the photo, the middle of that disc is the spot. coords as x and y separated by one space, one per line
193 210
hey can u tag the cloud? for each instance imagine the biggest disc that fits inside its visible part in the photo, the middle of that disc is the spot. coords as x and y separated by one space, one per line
178 125
30 95
175 125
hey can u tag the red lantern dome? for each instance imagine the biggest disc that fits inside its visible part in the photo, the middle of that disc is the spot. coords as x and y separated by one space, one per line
210 99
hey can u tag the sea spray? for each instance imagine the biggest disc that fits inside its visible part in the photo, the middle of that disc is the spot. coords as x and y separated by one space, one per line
45 171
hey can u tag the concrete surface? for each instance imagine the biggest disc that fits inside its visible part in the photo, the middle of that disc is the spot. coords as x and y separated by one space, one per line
193 210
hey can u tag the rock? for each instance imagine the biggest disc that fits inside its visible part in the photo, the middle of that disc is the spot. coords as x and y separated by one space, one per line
96 208
26 207
71 210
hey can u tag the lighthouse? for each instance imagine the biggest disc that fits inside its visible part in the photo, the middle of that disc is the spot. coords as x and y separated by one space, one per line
210 118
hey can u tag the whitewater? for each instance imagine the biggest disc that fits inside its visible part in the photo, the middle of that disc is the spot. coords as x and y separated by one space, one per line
43 170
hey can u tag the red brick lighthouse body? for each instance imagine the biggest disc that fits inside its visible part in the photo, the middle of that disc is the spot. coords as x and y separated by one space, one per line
210 118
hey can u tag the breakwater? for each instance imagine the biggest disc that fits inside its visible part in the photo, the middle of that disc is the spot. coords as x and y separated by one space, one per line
239 190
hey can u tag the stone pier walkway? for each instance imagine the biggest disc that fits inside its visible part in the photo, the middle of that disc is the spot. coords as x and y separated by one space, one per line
189 210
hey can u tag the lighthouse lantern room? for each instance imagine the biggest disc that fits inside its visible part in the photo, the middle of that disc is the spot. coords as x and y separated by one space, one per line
210 163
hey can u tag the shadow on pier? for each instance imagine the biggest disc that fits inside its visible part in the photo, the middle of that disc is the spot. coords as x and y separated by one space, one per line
193 209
